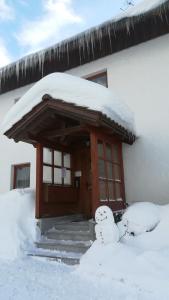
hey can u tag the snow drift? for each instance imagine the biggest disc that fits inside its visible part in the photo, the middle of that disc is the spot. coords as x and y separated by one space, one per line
137 258
72 89
17 223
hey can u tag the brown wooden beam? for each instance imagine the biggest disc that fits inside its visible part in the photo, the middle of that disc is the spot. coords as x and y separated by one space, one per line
49 144
64 131
94 171
39 180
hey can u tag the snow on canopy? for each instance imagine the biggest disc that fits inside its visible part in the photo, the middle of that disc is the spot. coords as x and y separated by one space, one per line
72 89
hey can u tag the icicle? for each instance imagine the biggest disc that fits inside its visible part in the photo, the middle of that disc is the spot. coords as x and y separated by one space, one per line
109 34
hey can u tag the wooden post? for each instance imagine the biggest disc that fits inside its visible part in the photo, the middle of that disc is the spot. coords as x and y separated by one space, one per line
39 180
94 170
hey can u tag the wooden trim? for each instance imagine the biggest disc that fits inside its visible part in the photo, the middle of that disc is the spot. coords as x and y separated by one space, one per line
39 180
15 167
97 75
65 131
122 174
94 171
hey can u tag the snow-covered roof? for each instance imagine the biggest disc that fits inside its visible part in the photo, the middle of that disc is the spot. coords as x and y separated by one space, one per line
141 22
71 89
142 7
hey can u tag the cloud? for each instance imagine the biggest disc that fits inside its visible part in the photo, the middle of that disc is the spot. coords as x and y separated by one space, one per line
46 29
5 57
6 11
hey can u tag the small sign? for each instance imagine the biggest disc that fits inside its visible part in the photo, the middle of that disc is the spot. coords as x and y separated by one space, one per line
78 173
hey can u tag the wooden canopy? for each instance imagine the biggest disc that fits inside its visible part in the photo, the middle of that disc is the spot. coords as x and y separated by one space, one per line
57 122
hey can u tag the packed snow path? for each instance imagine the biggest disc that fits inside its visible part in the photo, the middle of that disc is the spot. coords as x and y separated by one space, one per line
39 279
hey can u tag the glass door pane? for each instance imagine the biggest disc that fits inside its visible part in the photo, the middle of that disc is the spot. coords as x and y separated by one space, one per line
47 156
57 175
57 158
102 171
102 189
66 160
47 174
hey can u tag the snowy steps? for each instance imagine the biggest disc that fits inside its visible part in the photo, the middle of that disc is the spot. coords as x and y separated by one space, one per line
66 241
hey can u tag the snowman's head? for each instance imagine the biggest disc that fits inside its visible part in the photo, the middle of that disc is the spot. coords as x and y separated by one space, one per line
103 214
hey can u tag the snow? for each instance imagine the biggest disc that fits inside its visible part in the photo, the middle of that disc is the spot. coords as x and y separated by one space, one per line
136 268
75 90
141 217
17 223
106 230
142 260
143 6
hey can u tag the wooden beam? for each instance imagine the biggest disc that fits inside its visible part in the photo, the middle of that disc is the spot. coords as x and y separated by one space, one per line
94 171
48 144
64 131
39 180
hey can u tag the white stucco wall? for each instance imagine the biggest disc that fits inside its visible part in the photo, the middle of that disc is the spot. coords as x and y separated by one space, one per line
10 152
139 76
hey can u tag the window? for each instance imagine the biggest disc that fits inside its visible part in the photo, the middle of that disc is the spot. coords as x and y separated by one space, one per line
21 176
56 167
109 168
100 78
16 100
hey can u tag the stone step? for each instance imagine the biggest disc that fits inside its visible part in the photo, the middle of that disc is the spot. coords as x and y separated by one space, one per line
73 226
46 223
69 235
66 258
65 246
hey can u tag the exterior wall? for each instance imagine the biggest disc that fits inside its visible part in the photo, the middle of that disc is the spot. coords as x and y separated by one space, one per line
138 76
10 152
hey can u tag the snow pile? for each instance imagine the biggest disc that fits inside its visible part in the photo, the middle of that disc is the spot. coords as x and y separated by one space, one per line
75 90
140 218
140 259
17 223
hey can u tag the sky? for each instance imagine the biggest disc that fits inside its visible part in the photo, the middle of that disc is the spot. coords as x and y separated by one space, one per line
27 26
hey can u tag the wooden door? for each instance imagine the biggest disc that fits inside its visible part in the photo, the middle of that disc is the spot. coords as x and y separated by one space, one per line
107 172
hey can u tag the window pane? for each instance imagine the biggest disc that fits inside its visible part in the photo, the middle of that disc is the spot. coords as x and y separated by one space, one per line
117 172
47 156
100 149
102 189
118 192
57 175
116 157
57 158
102 172
47 174
22 177
108 152
67 178
111 191
66 160
109 170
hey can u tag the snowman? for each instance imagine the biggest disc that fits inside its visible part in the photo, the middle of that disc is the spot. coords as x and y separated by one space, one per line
106 230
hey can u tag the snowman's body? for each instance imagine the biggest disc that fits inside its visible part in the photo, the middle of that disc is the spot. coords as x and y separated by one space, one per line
106 230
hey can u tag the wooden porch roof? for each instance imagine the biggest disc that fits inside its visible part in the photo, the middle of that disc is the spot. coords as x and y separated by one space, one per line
57 122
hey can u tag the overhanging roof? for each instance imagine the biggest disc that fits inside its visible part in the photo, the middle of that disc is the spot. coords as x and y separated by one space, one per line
39 124
100 41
